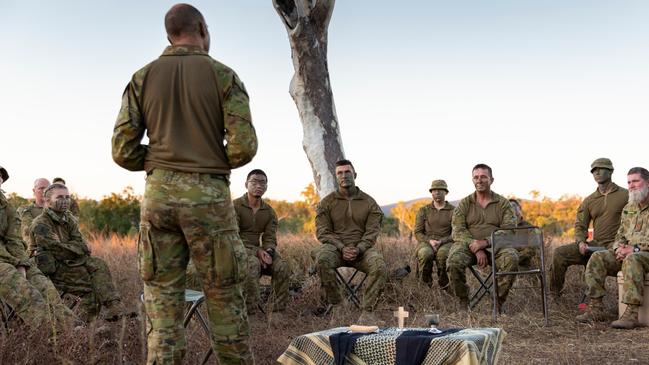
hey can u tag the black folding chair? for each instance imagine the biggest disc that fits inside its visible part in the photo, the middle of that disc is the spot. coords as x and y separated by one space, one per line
351 289
530 236
483 289
194 299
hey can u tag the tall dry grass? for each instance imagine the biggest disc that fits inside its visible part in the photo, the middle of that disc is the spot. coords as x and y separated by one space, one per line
527 342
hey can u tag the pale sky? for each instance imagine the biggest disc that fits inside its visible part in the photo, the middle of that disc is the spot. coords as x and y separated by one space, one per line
423 90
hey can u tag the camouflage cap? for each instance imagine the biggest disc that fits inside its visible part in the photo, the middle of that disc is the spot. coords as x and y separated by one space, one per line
4 174
603 163
438 185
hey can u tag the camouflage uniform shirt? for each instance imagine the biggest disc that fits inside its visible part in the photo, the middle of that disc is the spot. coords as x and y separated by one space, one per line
472 222
634 227
434 224
254 227
343 222
59 234
26 215
12 248
604 211
211 112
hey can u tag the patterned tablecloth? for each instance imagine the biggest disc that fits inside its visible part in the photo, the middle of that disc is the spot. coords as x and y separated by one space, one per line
468 346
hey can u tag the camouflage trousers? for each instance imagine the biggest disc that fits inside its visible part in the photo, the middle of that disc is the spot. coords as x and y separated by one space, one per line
187 215
280 274
91 282
603 264
426 257
564 257
327 258
460 258
34 298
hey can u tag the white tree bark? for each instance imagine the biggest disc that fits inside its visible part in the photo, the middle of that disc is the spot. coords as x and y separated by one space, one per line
306 22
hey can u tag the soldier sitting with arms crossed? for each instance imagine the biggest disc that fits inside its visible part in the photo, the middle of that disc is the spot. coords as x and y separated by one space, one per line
258 230
348 222
433 232
63 255
630 253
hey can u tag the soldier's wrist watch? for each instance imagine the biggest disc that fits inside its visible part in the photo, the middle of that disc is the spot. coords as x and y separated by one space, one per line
636 248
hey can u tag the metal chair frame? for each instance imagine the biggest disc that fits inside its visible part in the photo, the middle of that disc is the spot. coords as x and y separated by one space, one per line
351 290
485 287
195 299
539 272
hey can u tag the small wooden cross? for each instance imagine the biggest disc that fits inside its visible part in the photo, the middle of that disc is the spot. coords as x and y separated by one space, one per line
401 315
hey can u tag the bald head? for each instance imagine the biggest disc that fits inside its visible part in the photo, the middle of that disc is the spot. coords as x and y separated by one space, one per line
183 20
39 186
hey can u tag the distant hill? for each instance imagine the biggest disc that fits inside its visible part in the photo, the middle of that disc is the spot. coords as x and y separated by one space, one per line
387 208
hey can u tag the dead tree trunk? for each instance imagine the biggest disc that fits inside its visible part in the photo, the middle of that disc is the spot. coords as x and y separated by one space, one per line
306 22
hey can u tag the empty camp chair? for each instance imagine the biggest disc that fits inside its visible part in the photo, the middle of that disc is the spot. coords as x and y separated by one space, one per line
517 238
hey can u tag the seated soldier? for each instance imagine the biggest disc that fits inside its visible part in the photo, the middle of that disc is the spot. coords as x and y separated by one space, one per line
474 220
433 232
348 222
525 254
64 256
603 208
22 286
630 254
28 212
258 230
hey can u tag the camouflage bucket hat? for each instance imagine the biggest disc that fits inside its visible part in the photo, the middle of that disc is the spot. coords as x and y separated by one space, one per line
603 163
438 185
4 174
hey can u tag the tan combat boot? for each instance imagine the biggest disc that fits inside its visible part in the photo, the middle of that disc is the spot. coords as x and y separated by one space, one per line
628 320
594 313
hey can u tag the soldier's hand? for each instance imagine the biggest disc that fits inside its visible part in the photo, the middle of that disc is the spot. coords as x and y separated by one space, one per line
264 258
350 253
21 270
583 246
622 252
482 258
478 245
434 244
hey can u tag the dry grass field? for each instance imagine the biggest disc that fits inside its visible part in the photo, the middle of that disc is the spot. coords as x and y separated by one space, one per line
527 342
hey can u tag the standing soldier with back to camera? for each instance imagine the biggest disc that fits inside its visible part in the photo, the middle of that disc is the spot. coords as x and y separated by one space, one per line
195 112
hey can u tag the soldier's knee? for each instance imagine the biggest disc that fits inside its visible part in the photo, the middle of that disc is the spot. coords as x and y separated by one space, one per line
326 258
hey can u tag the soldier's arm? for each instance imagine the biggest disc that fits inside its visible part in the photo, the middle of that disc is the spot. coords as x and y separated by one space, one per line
372 228
26 220
324 228
76 239
461 234
13 242
509 219
240 134
43 240
582 222
620 237
420 226
127 149
269 238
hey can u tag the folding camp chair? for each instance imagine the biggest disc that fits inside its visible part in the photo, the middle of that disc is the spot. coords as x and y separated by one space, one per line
483 289
519 237
193 300
351 289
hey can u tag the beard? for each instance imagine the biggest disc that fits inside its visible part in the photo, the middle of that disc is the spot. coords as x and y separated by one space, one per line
639 195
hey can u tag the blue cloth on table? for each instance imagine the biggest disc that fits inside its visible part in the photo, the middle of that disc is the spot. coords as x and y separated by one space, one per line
342 344
411 346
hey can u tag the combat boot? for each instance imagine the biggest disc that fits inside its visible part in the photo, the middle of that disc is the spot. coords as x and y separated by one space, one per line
628 320
594 313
